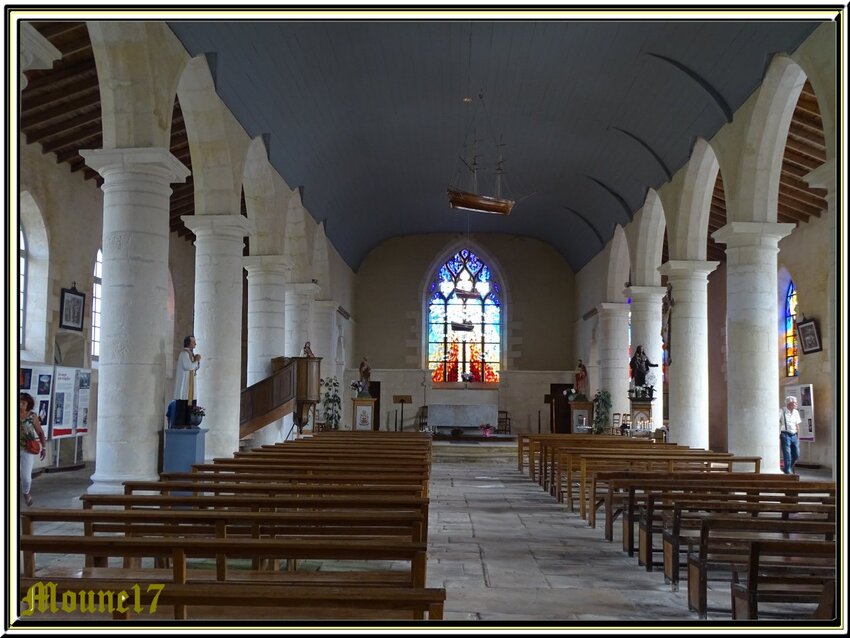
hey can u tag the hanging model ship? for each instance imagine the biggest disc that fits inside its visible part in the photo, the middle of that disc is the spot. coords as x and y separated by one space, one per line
465 200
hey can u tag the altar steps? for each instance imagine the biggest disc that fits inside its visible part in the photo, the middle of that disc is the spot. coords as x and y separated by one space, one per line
471 450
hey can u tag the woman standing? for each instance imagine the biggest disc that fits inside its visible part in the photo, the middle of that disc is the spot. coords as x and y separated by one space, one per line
32 442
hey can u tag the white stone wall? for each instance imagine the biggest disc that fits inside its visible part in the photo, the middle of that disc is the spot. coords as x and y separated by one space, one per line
810 278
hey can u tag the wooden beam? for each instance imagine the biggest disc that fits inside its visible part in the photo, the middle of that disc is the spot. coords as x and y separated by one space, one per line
792 211
85 102
78 86
36 135
75 137
50 80
803 160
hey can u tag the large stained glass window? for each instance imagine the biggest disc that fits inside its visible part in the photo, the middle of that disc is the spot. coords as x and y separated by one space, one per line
464 321
791 342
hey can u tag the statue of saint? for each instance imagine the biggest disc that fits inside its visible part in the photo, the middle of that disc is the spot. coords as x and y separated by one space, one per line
581 378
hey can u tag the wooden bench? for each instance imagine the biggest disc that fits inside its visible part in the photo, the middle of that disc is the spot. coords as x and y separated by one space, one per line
720 485
268 487
680 523
689 466
724 548
217 600
179 549
666 460
616 485
221 523
788 572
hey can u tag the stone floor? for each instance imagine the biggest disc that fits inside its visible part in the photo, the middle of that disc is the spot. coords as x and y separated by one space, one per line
510 556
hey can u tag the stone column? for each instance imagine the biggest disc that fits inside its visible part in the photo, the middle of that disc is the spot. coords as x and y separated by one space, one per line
267 275
133 355
299 300
36 52
218 324
751 337
688 375
323 333
646 331
614 354
824 177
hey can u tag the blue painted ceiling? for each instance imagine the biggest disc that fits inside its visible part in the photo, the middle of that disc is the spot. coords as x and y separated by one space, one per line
369 117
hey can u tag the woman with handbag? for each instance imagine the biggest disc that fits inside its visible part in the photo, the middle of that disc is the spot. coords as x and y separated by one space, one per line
32 442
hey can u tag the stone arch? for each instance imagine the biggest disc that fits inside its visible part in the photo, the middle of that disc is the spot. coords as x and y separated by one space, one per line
618 266
687 227
816 56
760 163
321 267
138 66
37 299
647 241
297 247
498 271
216 163
258 187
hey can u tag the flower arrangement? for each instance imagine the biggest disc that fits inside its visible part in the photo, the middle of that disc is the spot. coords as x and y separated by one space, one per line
197 410
331 402
486 429
601 411
651 378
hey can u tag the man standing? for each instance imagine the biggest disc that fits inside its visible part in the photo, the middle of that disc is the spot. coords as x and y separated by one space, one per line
185 389
789 437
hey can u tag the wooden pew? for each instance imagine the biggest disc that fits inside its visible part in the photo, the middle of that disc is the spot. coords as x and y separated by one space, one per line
787 572
217 600
681 522
268 487
616 485
179 549
724 548
666 460
723 484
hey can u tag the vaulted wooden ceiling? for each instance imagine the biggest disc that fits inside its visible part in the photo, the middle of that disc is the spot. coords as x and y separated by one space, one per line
60 110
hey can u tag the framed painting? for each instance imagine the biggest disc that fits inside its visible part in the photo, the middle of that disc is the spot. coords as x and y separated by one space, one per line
807 331
71 309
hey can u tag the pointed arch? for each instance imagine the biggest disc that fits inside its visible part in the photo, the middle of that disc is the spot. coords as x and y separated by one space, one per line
259 191
618 265
463 265
320 265
297 247
687 227
647 241
138 66
217 162
760 163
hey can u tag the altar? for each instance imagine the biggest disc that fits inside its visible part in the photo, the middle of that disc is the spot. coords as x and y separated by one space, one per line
445 417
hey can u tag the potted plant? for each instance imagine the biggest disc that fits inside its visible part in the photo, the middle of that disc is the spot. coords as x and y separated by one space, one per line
601 411
196 414
331 402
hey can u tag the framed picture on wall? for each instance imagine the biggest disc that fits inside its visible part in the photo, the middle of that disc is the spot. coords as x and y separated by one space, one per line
71 309
807 331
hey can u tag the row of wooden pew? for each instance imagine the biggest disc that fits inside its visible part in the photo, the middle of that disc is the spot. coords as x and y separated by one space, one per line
770 537
242 537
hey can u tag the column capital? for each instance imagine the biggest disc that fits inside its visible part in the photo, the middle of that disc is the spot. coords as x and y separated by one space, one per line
277 264
736 234
154 160
302 288
219 225
645 293
36 51
612 308
822 177
691 268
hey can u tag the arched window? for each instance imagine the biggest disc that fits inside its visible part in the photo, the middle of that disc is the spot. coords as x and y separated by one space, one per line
22 285
791 331
464 321
97 281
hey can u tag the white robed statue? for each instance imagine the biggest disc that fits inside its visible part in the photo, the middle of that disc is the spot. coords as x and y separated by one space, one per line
185 384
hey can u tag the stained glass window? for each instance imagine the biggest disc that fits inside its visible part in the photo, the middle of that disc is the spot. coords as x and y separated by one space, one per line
95 305
464 321
791 331
22 285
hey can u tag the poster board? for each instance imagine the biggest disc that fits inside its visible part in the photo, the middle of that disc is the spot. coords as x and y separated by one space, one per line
62 397
37 379
804 394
